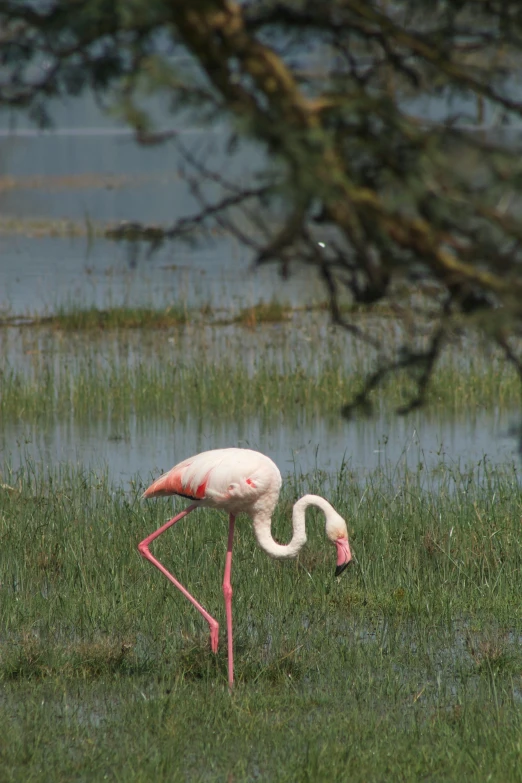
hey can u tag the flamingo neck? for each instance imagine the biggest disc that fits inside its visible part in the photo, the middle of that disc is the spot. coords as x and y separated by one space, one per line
263 525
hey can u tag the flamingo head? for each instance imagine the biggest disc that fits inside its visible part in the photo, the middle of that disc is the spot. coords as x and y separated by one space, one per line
337 532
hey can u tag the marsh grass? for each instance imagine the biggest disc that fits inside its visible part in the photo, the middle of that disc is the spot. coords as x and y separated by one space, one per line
85 319
48 227
264 312
407 667
182 375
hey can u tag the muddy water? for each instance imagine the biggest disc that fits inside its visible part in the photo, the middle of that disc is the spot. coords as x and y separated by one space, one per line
89 169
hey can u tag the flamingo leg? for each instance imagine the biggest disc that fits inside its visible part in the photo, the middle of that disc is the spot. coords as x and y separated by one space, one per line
143 548
227 592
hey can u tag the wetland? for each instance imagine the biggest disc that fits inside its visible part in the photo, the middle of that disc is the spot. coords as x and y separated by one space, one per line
114 366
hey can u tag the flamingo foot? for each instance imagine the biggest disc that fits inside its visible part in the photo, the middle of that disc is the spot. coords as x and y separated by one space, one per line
214 636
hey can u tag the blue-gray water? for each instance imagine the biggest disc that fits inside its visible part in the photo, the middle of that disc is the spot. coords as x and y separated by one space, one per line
146 449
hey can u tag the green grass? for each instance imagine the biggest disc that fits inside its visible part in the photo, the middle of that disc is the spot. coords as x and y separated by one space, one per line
408 667
86 319
181 375
75 316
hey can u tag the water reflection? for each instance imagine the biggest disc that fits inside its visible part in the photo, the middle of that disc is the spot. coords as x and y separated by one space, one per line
146 448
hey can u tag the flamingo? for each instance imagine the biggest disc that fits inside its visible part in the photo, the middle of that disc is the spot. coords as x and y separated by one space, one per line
239 480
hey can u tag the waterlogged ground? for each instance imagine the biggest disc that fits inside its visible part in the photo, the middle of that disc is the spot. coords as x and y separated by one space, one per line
56 190
407 667
115 365
133 402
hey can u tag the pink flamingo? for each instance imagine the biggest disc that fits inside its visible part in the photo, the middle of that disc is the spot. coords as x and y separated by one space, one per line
239 480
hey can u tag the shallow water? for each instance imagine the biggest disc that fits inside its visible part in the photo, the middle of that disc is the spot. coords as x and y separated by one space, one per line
90 170
37 275
147 448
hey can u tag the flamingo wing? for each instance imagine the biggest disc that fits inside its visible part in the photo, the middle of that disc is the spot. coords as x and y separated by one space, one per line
188 479
221 477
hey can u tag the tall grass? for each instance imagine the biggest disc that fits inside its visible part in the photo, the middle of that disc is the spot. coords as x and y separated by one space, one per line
178 376
406 668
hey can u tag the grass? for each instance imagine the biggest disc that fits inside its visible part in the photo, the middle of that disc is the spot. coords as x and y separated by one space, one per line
48 227
126 361
79 317
86 319
406 668
235 376
264 312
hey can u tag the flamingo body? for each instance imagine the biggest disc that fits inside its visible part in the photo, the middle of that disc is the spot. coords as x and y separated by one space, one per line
234 480
240 481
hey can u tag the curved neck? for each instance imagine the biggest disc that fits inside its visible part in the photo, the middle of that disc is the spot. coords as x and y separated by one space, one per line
263 524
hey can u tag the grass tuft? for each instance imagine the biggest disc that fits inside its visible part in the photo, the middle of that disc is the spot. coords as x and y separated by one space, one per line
31 658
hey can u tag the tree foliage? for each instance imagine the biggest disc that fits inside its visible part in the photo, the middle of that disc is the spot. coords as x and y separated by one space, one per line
390 132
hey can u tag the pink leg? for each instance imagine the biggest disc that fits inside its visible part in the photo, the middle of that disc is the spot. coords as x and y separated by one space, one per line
227 592
144 550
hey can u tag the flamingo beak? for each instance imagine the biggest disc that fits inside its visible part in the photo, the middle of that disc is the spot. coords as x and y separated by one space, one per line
344 556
